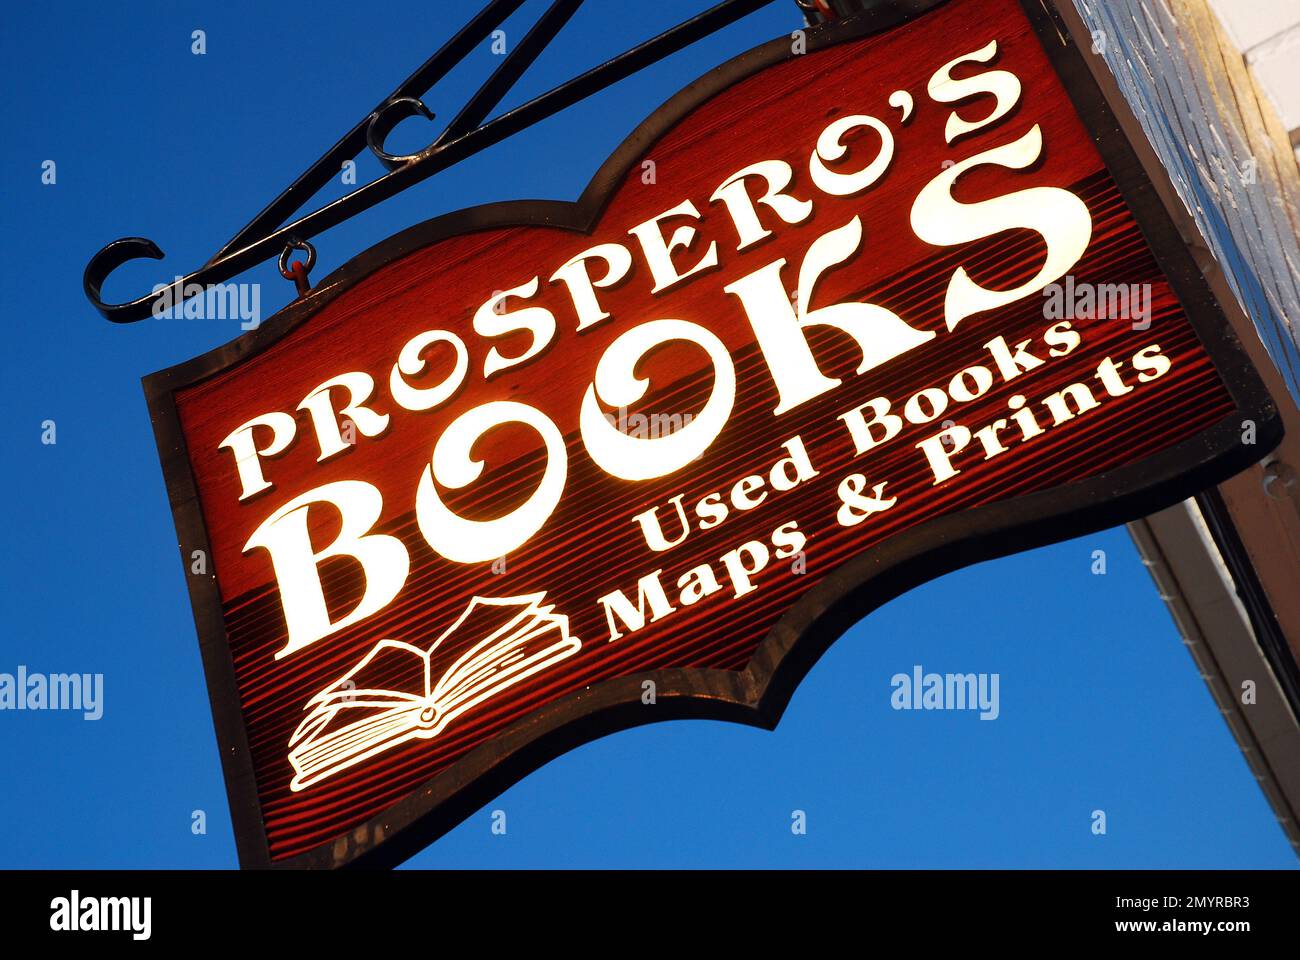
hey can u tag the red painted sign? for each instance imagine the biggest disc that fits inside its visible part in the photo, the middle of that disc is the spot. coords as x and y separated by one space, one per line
855 309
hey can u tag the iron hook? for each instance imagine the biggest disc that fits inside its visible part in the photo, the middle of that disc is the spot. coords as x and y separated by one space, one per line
296 243
382 122
297 271
105 262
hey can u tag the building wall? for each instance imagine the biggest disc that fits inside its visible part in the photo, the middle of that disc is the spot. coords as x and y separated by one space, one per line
1216 125
1267 32
1215 85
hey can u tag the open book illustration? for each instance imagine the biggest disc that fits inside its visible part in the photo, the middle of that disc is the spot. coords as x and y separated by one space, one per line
391 696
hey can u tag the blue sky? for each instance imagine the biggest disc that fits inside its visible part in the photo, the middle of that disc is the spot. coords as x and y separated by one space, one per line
1101 707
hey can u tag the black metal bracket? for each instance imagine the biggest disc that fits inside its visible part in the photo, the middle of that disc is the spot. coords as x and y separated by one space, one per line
267 236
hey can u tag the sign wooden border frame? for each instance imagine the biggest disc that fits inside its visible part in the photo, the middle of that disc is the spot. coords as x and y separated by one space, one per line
759 694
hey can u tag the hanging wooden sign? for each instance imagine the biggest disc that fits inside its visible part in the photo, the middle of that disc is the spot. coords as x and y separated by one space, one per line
861 306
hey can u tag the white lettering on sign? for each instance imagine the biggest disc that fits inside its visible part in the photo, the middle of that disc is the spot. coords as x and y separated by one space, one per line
779 326
617 385
285 536
671 250
453 466
1057 215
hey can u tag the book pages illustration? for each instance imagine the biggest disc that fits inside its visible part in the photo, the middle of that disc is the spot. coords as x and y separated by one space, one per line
355 718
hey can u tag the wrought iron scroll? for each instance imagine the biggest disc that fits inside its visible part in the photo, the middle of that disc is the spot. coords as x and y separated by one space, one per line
267 236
